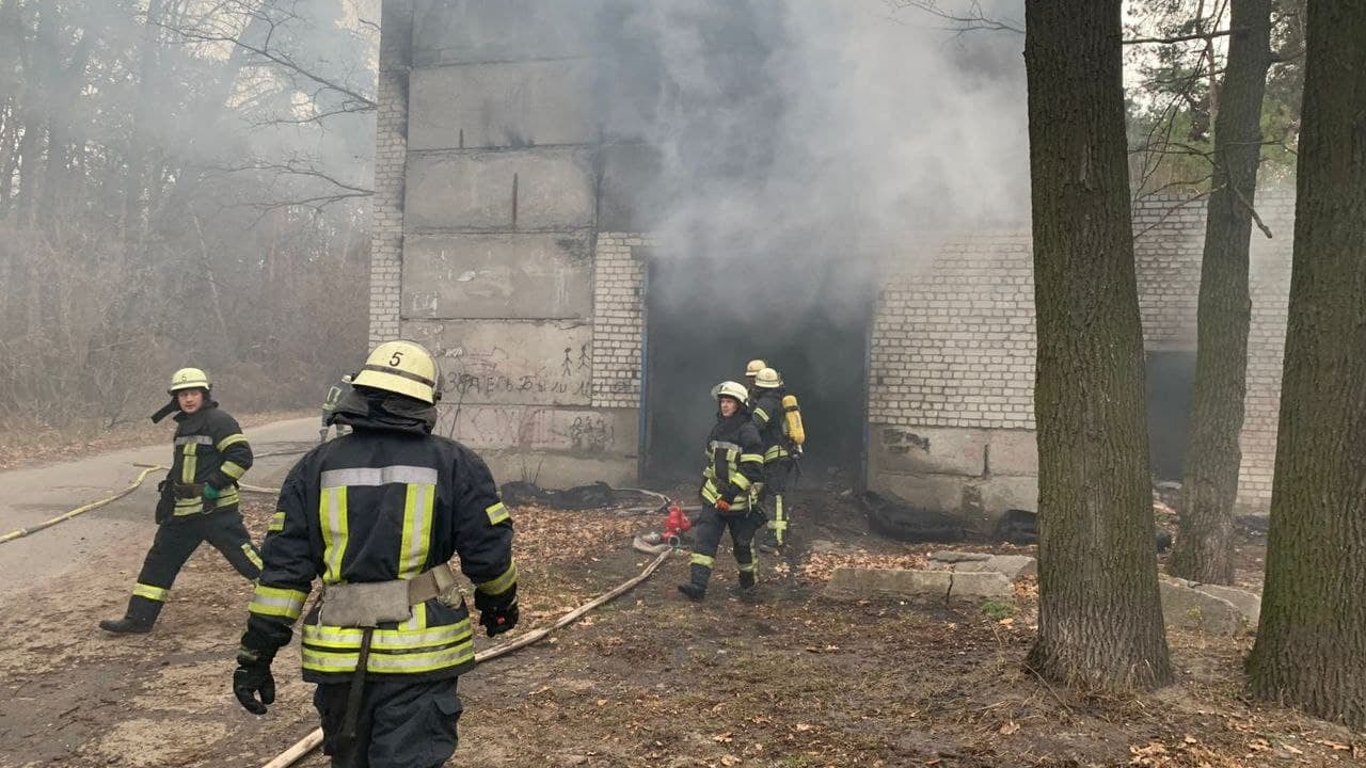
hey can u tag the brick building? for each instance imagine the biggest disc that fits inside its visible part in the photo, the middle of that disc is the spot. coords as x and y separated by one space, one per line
511 236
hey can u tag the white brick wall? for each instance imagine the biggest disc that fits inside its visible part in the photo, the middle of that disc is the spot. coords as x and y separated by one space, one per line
953 342
618 319
391 135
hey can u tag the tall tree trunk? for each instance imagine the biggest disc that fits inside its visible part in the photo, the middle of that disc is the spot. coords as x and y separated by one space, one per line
1204 548
136 182
1311 645
1100 620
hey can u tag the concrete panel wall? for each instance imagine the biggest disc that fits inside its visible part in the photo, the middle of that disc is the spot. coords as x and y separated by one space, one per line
448 31
510 362
583 431
507 104
976 473
498 276
527 190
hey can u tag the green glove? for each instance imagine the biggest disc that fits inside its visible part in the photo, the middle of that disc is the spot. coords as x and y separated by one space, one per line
210 492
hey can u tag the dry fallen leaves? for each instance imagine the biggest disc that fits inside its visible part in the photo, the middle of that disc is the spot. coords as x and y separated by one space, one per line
1008 727
730 760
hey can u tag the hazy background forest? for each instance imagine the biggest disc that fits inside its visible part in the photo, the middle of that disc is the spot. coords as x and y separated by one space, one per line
186 182
181 182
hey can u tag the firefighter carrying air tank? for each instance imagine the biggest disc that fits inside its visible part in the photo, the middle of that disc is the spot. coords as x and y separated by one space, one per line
779 420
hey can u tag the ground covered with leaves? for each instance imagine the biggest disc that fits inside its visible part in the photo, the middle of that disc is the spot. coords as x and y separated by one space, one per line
794 679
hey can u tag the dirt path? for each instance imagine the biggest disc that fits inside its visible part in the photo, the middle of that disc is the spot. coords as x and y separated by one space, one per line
124 528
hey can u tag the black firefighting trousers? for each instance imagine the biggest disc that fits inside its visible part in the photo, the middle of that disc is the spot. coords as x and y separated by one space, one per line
711 524
400 725
176 540
778 478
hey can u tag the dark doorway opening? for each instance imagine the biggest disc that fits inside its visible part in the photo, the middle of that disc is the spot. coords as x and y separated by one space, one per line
705 319
1170 384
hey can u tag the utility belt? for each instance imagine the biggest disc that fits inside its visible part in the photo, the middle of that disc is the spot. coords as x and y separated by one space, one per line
367 605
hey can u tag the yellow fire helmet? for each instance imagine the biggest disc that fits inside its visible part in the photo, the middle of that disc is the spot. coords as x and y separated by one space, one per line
189 378
753 368
402 367
768 379
730 389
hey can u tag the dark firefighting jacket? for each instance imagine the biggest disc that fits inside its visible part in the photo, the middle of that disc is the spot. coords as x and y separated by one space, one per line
735 460
210 449
768 417
386 502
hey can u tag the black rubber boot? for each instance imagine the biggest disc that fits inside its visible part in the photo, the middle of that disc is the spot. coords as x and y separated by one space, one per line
694 592
141 616
747 580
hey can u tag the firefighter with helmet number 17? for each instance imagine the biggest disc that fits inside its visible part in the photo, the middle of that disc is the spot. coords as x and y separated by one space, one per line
735 462
378 516
198 500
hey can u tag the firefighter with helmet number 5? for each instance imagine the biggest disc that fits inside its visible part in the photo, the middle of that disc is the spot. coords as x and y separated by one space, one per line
377 517
735 462
198 500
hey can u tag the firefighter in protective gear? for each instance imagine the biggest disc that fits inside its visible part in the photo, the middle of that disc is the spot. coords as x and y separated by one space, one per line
198 500
779 456
377 517
335 393
735 462
752 369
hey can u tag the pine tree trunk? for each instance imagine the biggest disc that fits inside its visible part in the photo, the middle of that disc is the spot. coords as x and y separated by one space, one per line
1204 548
1311 645
1100 619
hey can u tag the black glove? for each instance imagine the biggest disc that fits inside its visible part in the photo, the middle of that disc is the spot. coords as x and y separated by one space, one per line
253 677
497 614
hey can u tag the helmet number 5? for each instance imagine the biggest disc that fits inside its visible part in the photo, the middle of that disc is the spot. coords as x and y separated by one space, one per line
397 359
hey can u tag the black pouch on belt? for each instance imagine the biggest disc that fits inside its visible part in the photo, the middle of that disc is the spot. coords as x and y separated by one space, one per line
189 490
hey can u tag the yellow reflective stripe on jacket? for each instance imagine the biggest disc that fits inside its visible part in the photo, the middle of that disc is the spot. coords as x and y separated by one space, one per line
760 413
316 660
501 584
497 513
273 601
191 465
332 514
776 452
418 620
277 522
757 458
739 480
417 529
349 638
232 469
703 560
710 494
150 592
233 439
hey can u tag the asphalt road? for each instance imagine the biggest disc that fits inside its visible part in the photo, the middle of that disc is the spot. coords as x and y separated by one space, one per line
30 496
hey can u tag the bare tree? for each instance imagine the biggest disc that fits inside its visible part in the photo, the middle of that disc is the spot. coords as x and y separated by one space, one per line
1311 647
1100 620
1204 548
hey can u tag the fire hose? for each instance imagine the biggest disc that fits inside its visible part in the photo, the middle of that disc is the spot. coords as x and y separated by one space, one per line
147 469
311 741
22 532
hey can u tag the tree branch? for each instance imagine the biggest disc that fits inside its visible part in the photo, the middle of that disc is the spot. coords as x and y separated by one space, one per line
1183 38
279 59
974 20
